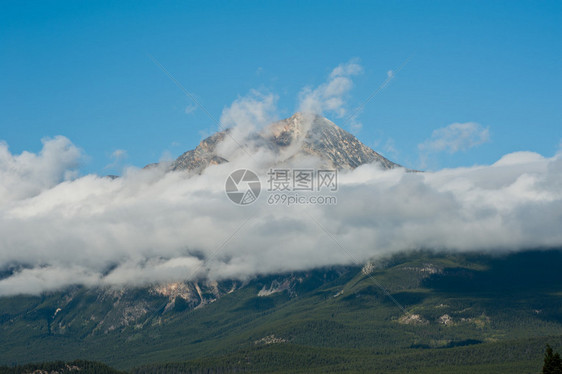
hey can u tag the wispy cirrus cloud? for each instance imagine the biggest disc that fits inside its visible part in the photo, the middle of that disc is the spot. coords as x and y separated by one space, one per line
118 156
453 138
456 137
330 96
190 108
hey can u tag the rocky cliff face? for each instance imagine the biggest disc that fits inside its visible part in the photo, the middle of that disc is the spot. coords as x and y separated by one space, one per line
202 156
299 136
94 311
88 312
321 138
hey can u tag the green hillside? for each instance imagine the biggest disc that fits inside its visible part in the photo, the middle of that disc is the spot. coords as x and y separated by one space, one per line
474 313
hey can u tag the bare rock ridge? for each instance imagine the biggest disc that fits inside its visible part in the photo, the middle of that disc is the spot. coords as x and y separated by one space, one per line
202 156
326 140
297 136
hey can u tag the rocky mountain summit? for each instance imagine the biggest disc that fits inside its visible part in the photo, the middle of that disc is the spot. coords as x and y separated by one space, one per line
302 135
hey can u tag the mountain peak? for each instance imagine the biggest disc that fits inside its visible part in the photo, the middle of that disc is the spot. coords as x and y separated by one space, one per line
301 135
295 127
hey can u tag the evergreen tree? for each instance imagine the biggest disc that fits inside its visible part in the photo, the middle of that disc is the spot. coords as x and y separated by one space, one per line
552 362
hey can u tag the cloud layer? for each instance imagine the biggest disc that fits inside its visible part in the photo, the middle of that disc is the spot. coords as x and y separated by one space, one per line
152 226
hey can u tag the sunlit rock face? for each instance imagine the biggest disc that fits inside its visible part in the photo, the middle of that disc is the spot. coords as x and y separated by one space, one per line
300 136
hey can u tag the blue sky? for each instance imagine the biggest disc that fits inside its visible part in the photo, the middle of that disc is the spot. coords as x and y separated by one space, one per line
82 69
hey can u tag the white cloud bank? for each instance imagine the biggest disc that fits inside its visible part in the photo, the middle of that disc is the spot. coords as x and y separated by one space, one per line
28 173
151 226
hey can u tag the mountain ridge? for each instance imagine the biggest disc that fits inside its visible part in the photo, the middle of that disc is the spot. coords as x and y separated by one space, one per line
456 303
300 135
